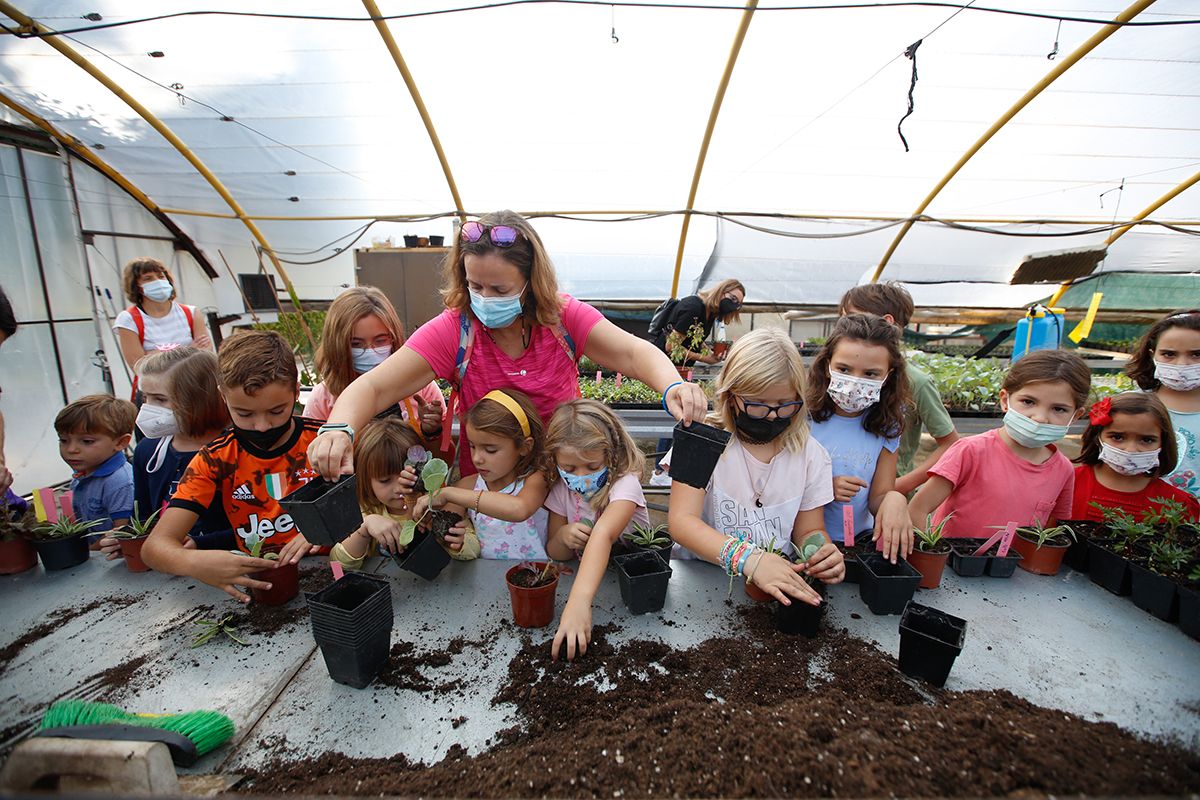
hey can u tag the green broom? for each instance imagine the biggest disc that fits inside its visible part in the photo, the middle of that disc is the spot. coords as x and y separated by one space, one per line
188 735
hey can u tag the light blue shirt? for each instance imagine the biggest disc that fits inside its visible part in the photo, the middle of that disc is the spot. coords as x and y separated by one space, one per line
1187 435
105 494
854 452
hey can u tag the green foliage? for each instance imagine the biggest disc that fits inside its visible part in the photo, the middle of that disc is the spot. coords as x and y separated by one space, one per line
645 536
137 528
679 344
588 367
1194 575
931 535
433 478
64 528
288 326
256 546
1171 516
811 544
1125 529
606 391
1167 558
212 628
1040 534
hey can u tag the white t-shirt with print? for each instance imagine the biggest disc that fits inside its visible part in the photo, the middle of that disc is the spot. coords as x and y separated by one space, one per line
161 332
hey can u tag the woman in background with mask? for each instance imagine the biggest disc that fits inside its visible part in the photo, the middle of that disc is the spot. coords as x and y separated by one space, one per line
155 321
506 326
361 330
721 303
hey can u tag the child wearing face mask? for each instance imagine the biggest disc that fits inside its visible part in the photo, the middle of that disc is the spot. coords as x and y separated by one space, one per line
361 330
1167 363
1128 445
595 471
856 398
1013 473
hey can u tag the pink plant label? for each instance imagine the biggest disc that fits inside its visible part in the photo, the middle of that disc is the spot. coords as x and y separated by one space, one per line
848 525
66 502
983 548
618 380
599 376
338 571
1010 531
44 506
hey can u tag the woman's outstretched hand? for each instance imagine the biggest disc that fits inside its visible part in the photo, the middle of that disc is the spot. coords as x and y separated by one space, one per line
687 403
332 455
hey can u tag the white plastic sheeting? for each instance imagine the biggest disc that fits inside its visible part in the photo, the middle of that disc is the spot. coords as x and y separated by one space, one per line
538 109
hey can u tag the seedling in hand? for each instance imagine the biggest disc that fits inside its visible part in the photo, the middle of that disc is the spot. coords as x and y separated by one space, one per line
433 478
416 457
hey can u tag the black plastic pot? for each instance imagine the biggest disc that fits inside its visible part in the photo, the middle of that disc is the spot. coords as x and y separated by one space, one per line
326 513
850 559
643 577
1108 569
885 587
962 558
352 624
357 665
425 556
695 452
1077 554
62 553
1003 567
1189 610
410 241
801 618
437 241
1154 593
930 641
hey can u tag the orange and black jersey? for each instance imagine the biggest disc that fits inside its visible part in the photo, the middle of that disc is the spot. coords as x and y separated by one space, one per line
249 481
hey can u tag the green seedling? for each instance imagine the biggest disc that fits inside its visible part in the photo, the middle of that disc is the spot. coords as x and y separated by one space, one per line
931 535
1167 558
679 344
811 545
643 536
212 628
64 528
1126 530
1194 575
1171 516
1040 534
433 478
137 528
256 545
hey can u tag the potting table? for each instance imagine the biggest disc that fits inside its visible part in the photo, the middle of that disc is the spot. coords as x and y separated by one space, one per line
1060 641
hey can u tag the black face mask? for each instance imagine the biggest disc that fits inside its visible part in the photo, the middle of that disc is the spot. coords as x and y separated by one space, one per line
760 431
263 439
728 306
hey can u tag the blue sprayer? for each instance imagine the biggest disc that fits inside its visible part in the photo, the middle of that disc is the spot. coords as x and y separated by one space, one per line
1041 329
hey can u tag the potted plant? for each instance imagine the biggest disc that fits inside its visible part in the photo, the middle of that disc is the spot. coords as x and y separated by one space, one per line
531 587
16 553
352 623
325 512
643 576
284 579
721 347
424 554
753 592
930 641
644 537
931 553
1153 587
1108 565
1077 553
62 544
886 587
679 344
1043 548
695 451
132 537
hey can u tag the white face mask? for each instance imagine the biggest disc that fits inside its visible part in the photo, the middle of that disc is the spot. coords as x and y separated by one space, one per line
1126 463
1028 433
366 359
1180 377
853 394
157 422
158 290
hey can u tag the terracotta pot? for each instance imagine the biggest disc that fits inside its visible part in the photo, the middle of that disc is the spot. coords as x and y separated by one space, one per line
16 556
930 565
532 608
131 549
683 372
285 584
1044 560
720 349
756 594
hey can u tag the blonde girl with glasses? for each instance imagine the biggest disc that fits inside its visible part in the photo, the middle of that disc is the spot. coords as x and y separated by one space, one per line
771 483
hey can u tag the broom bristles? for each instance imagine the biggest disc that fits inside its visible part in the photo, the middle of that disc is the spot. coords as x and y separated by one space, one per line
208 730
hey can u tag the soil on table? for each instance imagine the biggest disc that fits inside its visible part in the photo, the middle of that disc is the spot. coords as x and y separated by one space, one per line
55 620
755 714
533 578
440 523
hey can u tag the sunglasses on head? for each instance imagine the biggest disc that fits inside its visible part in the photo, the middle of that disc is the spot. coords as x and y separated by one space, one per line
498 235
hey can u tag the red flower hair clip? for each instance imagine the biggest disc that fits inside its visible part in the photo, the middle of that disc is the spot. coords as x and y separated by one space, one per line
1101 412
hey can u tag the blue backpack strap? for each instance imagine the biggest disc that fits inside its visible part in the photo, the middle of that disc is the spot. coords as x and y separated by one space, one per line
564 339
466 340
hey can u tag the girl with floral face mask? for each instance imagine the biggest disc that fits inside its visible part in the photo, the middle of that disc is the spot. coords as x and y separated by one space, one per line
1014 473
1167 362
770 484
857 396
1128 445
595 471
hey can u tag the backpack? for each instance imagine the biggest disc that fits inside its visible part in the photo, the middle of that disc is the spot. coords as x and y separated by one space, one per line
661 314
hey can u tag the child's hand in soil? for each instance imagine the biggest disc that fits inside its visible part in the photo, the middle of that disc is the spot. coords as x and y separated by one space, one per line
895 526
384 531
781 579
846 486
111 547
227 571
297 549
575 535
826 565
455 537
575 629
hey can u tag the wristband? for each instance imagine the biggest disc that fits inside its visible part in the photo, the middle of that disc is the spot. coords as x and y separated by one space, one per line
336 426
667 390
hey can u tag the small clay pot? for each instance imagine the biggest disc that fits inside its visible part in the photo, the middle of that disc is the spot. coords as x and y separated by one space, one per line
285 584
756 594
930 565
532 607
720 349
1044 560
16 555
131 550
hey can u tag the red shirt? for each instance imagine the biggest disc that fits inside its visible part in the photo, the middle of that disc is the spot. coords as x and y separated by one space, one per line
1089 490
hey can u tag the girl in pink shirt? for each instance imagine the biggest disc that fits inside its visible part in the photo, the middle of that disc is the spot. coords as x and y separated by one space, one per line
1013 473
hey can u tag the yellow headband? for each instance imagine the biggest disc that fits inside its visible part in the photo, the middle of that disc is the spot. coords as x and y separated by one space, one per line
512 405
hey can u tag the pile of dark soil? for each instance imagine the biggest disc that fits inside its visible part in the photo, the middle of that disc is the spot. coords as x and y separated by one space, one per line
56 619
756 714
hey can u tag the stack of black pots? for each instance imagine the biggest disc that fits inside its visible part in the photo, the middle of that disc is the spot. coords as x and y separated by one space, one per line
352 623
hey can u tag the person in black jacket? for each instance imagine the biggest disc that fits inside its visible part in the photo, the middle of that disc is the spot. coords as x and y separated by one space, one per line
721 302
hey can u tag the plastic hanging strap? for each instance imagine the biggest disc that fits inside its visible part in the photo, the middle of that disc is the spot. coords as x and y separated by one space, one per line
159 455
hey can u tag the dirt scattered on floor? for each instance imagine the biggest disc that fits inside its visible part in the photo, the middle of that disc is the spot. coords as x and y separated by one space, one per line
58 618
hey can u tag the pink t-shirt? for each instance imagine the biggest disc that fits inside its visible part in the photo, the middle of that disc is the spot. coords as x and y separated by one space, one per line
572 507
320 401
993 486
544 371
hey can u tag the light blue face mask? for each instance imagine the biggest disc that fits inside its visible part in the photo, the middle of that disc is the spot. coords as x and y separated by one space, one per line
1028 433
367 358
496 312
158 290
586 485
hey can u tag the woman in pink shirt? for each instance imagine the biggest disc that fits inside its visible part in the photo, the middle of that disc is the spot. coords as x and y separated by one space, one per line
506 326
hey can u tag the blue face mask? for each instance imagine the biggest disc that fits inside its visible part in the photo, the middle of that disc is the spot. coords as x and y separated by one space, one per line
1028 433
496 312
367 358
586 485
158 290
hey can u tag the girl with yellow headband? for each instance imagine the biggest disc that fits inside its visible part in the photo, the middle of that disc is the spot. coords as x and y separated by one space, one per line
503 500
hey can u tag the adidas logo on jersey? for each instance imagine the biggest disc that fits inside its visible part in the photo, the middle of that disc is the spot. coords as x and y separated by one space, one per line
243 492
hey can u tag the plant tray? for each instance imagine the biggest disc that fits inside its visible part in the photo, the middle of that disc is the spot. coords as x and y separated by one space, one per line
1154 593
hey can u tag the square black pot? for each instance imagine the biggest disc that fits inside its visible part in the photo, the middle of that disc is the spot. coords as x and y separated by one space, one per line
930 641
850 559
643 577
1108 569
1154 593
886 587
1003 567
801 618
352 595
425 556
357 665
62 553
695 451
1189 610
962 558
1077 553
326 513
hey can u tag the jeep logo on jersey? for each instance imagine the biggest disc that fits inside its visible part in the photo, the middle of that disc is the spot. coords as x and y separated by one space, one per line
266 528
